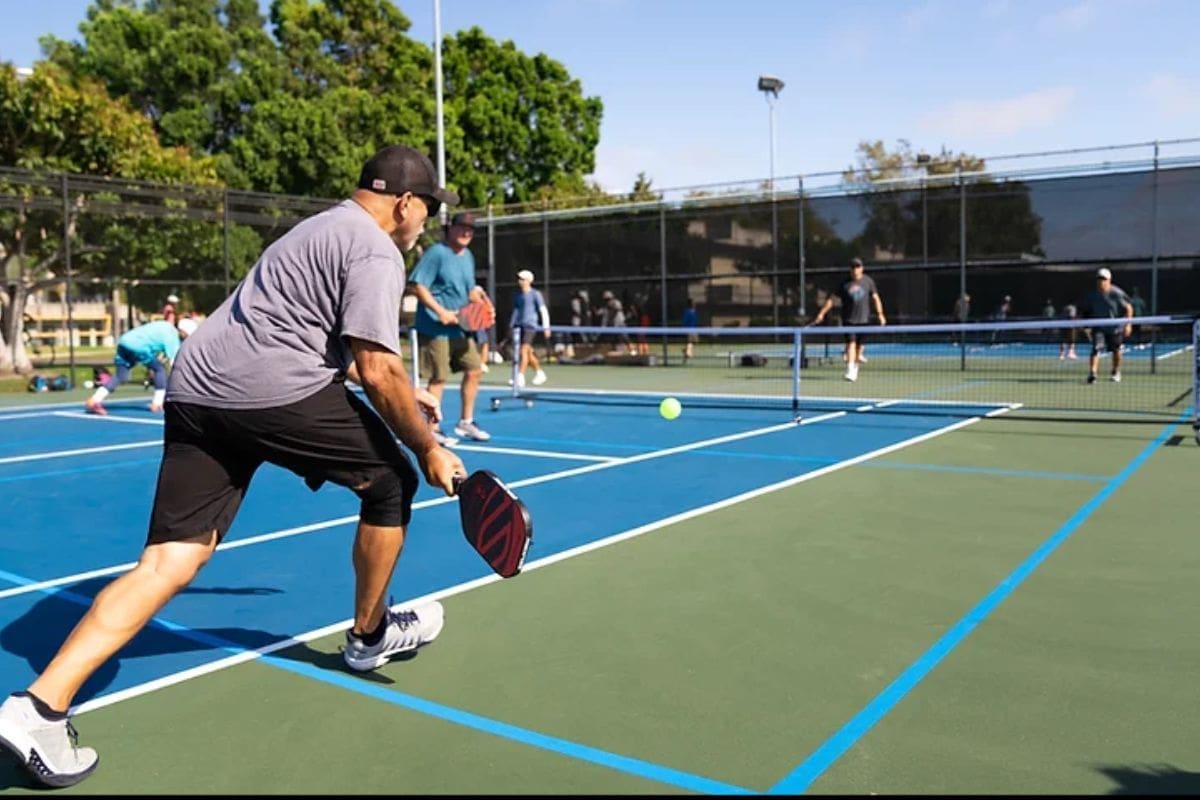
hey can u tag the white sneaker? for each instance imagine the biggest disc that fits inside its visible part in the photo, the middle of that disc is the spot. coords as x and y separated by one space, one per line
851 372
1116 377
469 430
407 630
442 439
48 748
539 378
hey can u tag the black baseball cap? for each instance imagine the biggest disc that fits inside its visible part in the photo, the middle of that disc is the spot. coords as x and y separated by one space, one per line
398 169
464 219
856 262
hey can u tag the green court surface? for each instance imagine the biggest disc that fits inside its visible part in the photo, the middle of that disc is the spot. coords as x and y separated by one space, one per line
803 630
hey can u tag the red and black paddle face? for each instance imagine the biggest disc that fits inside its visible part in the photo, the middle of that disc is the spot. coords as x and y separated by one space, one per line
476 315
495 522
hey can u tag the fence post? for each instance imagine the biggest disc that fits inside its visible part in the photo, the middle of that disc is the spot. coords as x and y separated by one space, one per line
800 194
67 295
662 276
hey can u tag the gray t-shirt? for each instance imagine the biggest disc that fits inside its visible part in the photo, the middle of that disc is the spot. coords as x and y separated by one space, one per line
278 338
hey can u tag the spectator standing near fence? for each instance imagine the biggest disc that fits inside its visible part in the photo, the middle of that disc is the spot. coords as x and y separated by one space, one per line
690 320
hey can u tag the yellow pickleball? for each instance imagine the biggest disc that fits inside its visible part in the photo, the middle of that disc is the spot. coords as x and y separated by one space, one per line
670 408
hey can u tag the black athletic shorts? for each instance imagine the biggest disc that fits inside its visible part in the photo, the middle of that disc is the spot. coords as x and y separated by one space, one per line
210 455
1107 338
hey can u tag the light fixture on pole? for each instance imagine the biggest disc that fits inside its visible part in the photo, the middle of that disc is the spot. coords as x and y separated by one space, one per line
771 86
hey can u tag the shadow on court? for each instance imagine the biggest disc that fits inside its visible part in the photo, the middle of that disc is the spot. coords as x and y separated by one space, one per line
1152 779
37 634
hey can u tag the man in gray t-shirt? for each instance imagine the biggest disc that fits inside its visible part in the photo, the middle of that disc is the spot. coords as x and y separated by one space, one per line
1107 301
858 294
263 381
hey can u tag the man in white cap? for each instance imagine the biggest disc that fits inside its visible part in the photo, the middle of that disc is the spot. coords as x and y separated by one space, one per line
529 313
1104 302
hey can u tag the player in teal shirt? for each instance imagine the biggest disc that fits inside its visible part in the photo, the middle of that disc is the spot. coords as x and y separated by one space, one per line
155 345
443 281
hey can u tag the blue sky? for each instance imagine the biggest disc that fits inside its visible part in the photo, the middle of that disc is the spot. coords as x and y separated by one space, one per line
678 79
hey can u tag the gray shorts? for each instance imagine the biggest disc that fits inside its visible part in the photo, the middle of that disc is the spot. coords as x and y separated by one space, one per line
441 355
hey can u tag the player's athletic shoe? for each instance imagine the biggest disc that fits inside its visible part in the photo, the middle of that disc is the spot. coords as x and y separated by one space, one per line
1116 377
94 407
539 378
1091 378
442 439
49 749
469 430
407 630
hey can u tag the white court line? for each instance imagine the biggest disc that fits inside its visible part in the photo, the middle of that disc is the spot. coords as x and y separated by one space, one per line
22 407
79 452
249 655
316 526
27 416
108 418
1175 352
514 451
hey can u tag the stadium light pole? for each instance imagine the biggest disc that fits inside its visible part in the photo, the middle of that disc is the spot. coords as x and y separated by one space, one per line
437 69
771 86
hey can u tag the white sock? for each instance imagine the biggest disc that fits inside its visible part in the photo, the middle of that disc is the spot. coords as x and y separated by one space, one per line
159 396
99 395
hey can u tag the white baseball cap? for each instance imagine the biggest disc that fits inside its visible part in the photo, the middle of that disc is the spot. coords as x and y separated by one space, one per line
525 275
1104 273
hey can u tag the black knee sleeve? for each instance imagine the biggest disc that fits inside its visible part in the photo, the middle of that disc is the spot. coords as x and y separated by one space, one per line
387 498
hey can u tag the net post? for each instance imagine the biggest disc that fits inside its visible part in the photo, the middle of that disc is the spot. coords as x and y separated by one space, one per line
516 360
1196 379
797 355
413 344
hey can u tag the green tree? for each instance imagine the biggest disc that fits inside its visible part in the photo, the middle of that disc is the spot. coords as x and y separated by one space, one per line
300 110
54 123
515 122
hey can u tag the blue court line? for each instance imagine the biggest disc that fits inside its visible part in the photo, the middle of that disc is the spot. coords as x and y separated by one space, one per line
553 744
802 777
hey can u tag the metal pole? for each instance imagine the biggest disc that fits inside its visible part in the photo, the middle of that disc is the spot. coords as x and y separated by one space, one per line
545 263
662 276
800 194
66 198
925 216
491 270
774 229
437 69
225 216
1154 267
962 260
